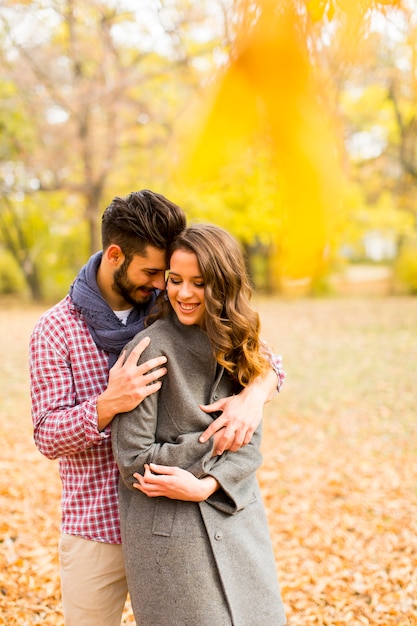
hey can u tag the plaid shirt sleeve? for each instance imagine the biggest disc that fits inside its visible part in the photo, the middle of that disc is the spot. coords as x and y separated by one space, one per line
276 364
66 379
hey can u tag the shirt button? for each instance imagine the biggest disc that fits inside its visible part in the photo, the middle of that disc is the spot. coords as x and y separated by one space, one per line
218 536
215 396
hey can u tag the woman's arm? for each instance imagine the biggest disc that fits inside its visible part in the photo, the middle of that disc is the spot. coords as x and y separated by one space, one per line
175 483
228 485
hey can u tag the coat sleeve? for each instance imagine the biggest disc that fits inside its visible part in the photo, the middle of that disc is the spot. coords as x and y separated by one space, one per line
236 474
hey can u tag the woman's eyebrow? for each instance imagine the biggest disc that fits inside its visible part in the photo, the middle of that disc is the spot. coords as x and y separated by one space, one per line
176 274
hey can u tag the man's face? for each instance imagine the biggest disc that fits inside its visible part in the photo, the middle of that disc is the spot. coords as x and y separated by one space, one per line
137 280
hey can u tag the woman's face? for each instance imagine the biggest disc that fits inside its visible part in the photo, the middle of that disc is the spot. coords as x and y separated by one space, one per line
185 288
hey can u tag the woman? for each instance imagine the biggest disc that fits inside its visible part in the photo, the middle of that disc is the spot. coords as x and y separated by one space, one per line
204 557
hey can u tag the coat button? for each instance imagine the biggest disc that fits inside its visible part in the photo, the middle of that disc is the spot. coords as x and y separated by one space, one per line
218 536
215 396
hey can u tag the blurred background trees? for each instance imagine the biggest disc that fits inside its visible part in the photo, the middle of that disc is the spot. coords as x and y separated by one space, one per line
292 124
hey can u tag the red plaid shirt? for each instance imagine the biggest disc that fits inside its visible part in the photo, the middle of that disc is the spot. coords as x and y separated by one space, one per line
68 373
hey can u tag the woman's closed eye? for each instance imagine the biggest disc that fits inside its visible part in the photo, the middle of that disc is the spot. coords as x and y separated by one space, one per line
178 281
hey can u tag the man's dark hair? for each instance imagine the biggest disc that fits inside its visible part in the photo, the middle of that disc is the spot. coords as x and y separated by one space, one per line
143 218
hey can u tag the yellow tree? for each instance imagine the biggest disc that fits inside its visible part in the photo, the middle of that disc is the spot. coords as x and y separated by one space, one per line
275 87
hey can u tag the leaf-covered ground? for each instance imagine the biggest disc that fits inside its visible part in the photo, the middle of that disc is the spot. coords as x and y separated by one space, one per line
339 476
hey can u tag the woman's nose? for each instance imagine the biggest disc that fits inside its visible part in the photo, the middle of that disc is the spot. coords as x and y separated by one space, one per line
184 290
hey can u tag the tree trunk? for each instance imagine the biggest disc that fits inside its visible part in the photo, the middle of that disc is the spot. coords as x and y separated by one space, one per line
33 282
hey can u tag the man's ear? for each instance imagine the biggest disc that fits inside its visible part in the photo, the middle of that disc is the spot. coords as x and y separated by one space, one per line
114 255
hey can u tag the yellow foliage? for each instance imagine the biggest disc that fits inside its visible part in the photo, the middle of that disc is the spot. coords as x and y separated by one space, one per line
269 88
271 91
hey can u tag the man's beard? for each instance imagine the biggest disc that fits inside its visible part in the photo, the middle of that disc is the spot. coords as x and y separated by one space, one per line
128 290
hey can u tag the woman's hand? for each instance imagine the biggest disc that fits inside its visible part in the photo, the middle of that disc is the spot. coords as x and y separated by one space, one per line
174 483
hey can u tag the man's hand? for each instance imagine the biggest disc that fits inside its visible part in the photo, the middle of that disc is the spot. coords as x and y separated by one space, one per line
241 414
129 384
174 483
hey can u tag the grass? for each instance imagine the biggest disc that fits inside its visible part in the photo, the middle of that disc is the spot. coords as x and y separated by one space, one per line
339 477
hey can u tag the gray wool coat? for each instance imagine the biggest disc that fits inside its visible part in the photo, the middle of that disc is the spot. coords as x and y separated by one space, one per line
187 563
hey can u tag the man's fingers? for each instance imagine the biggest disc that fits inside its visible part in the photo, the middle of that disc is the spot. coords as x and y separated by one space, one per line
226 440
152 364
144 368
148 366
233 440
148 376
238 441
214 407
120 360
216 425
152 368
146 390
138 349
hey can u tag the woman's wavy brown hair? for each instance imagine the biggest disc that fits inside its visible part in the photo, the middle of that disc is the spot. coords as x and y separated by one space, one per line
231 323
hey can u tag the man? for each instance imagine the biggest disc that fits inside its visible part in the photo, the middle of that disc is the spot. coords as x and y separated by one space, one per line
80 381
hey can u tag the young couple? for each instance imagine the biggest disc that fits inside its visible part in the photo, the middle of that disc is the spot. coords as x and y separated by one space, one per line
195 538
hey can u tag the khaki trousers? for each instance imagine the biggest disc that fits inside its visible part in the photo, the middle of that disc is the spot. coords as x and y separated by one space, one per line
93 582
